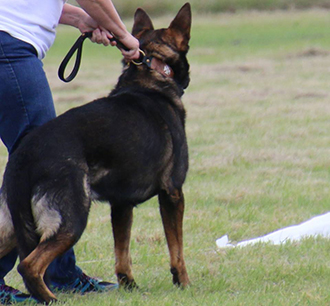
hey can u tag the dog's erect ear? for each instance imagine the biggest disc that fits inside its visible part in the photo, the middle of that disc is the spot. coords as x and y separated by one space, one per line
142 22
181 25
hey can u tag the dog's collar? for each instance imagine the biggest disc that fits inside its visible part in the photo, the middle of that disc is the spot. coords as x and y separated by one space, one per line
154 63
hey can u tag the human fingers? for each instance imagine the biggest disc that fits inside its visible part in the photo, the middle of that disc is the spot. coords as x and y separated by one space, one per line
132 44
101 36
131 54
108 37
96 37
104 39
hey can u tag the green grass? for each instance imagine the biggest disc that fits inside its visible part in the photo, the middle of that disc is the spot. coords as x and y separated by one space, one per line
126 8
258 132
226 37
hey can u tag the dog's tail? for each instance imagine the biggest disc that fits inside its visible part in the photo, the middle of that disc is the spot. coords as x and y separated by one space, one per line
16 191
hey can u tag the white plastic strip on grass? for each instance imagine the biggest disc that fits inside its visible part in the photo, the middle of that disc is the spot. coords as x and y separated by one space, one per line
317 226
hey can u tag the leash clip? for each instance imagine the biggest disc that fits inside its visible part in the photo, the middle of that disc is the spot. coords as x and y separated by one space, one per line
141 59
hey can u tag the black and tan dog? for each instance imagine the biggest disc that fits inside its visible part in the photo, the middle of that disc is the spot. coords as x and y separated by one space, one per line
124 149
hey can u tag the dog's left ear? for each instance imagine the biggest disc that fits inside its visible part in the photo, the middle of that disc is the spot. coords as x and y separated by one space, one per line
181 25
142 22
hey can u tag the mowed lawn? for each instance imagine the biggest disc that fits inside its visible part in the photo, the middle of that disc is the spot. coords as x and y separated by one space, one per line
258 127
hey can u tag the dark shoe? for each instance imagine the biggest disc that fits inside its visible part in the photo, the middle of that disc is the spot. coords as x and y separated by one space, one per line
84 284
9 295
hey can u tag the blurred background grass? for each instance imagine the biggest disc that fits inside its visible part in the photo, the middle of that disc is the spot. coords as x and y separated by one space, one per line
157 7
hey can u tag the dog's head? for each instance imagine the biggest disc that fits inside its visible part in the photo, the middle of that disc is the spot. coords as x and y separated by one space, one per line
169 45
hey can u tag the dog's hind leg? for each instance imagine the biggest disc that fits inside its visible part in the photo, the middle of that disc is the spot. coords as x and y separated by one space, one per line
172 209
60 217
55 240
34 266
122 218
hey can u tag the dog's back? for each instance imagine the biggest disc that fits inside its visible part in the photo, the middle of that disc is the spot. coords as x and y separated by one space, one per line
130 145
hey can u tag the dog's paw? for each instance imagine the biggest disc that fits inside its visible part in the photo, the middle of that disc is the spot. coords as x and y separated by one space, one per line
182 280
126 283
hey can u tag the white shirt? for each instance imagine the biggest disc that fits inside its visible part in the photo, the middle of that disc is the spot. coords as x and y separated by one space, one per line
32 21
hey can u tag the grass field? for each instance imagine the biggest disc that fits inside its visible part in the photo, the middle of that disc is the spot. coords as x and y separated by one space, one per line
258 130
126 8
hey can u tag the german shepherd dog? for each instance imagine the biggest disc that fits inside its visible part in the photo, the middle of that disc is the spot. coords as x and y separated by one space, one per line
123 149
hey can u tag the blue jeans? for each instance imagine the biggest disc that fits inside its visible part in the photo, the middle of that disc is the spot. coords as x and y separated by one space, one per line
25 103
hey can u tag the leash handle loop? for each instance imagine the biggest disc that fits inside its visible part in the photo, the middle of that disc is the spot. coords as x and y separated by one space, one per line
77 46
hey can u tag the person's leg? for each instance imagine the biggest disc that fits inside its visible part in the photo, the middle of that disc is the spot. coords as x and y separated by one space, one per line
25 98
6 264
9 295
59 273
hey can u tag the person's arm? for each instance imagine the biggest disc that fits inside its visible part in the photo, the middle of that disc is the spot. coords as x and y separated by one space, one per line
101 17
77 17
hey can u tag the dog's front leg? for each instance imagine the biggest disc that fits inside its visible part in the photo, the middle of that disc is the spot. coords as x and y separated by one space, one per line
171 209
122 218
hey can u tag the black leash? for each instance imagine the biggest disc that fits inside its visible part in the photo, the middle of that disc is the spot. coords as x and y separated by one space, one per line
77 46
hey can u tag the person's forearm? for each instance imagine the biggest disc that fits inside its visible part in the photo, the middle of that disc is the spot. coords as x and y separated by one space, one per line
100 17
105 14
72 15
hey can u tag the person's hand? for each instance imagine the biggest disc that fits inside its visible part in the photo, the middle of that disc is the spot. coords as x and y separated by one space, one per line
111 23
100 35
103 36
132 44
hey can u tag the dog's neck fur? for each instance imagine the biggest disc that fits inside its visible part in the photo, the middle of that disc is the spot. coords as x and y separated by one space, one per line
142 76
